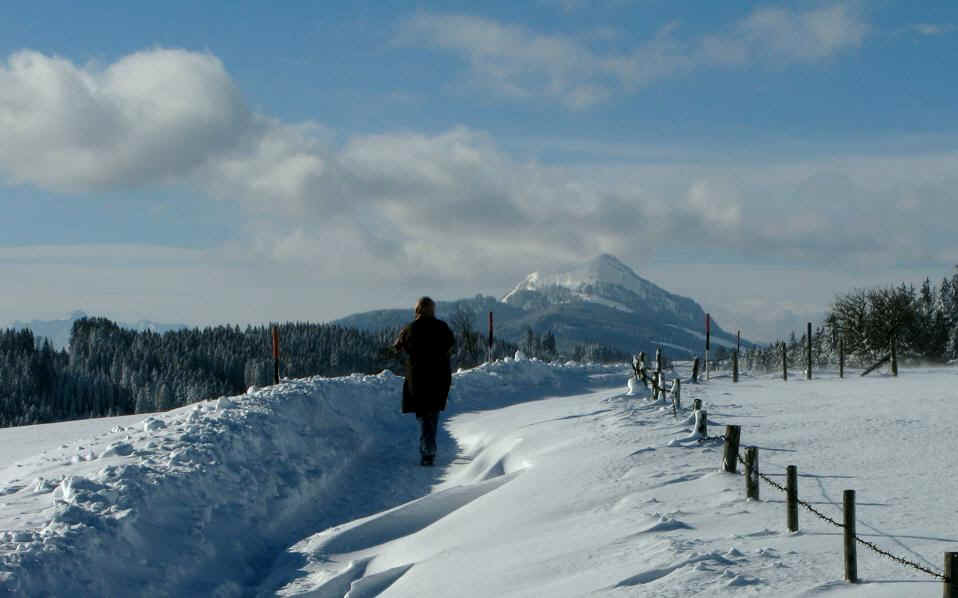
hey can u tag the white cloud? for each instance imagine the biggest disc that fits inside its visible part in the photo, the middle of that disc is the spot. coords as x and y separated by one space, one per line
519 63
781 36
151 116
445 201
451 212
933 29
512 60
116 254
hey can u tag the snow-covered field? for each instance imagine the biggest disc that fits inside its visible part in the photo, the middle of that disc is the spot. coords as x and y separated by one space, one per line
551 482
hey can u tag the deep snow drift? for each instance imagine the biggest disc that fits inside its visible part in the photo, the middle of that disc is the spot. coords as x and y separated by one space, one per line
311 488
200 500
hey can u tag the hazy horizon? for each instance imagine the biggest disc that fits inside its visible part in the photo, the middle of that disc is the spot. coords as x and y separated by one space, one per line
753 330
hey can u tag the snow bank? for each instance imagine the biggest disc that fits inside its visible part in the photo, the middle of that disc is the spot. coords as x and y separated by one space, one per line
181 501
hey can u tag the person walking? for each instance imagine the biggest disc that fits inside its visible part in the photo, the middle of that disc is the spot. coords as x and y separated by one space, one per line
428 342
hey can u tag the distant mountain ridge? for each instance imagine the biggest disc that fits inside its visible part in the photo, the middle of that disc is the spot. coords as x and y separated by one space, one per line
58 331
600 301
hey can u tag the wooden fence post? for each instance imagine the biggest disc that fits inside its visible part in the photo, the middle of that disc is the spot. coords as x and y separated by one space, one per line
751 472
735 366
808 352
491 350
730 459
696 404
676 396
791 494
702 423
841 358
708 343
851 559
275 355
658 359
784 362
695 370
894 357
951 571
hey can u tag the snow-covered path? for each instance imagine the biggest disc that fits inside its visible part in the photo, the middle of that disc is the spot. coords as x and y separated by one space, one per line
583 495
200 500
551 481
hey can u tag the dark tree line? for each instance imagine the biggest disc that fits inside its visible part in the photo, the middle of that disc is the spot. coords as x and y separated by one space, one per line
769 357
922 322
543 346
472 347
108 370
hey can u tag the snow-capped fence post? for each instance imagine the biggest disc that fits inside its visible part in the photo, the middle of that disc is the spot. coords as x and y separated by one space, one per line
841 358
676 397
695 370
658 360
851 558
784 362
751 472
696 404
660 386
730 456
735 366
951 571
275 355
894 357
640 369
808 352
791 494
702 423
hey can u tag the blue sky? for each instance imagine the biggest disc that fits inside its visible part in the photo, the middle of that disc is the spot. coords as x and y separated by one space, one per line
212 162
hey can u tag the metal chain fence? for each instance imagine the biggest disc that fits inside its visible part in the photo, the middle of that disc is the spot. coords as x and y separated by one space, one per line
860 540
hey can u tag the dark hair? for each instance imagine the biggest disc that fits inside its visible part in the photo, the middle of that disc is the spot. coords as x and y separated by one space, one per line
423 305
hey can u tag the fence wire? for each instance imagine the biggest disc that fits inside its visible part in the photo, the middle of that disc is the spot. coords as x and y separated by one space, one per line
860 540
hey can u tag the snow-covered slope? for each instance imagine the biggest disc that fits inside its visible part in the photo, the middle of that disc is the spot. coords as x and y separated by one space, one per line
547 485
199 500
599 494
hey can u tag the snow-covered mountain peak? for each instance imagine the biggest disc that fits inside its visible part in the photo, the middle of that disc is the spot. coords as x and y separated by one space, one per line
604 281
604 269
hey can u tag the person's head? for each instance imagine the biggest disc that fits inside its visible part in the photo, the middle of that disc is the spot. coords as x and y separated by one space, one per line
425 307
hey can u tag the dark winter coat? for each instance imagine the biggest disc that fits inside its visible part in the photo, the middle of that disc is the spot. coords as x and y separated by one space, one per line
428 342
